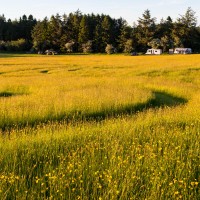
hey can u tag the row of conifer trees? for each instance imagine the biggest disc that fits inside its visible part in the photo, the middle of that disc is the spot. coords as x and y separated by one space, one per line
77 32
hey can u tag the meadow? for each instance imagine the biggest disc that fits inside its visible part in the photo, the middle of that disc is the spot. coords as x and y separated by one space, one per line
99 127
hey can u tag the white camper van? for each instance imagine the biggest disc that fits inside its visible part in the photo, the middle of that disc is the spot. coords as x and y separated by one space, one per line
182 50
154 52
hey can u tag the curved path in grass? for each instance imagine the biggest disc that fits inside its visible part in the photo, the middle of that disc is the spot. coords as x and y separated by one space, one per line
160 99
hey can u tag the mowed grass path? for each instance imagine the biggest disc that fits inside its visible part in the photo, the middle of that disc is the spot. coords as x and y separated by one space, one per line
99 127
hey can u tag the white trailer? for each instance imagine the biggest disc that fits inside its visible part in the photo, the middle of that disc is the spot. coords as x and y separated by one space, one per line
154 52
182 50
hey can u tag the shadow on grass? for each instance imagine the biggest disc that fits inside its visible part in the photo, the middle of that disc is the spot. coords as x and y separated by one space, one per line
7 94
159 100
44 71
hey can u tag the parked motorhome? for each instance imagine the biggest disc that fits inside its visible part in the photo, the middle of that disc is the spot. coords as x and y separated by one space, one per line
50 52
154 51
182 50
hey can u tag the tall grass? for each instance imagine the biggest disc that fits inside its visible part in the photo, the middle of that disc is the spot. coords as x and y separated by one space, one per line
99 127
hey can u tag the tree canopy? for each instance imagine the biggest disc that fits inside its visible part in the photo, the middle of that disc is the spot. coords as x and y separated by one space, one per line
77 32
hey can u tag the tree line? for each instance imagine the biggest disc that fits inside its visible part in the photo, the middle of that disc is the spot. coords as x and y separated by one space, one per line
16 35
77 32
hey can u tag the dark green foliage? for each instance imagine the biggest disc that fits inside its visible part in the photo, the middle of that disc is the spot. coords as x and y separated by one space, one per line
145 30
14 30
100 30
40 35
128 47
155 43
83 35
125 34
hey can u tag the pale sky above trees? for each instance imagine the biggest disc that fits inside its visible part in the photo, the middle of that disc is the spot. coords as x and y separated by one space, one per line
130 10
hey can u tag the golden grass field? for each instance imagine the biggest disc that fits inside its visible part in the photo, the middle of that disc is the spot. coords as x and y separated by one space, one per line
99 127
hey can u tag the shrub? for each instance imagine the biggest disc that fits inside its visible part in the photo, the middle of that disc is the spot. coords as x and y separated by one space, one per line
16 45
69 46
128 47
110 49
87 47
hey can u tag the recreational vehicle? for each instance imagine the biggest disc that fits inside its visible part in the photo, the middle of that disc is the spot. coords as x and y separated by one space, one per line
182 50
154 52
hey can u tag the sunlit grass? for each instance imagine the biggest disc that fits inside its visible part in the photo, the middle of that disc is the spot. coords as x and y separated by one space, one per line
99 127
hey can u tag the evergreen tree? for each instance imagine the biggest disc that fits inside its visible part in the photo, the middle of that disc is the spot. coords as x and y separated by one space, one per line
99 46
2 27
145 30
107 31
187 26
83 36
55 31
124 36
164 28
40 35
189 19
75 22
64 37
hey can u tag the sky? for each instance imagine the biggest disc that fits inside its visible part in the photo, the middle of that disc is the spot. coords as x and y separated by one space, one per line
130 10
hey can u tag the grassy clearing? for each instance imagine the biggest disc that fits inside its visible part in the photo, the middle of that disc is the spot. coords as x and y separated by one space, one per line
99 127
